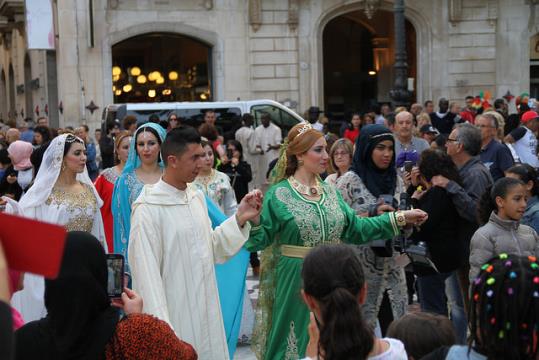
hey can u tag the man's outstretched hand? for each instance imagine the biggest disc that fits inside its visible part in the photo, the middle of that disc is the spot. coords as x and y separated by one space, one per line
249 208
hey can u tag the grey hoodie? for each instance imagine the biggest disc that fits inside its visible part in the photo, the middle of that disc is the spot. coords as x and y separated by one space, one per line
501 236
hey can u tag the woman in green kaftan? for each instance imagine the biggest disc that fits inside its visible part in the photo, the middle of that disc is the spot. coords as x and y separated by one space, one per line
299 213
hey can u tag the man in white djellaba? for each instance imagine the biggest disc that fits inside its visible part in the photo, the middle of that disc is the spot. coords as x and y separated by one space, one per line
173 249
246 136
268 138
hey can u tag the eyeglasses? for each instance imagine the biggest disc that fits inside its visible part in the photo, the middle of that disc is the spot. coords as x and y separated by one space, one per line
341 153
452 140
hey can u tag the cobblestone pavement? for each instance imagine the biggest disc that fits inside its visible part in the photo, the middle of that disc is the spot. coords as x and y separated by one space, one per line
243 352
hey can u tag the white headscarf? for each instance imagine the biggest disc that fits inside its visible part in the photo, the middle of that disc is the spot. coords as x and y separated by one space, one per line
49 172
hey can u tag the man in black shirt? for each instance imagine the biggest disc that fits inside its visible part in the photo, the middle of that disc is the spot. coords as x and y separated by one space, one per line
106 143
444 120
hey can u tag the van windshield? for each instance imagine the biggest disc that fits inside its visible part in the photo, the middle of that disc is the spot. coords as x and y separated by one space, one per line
228 120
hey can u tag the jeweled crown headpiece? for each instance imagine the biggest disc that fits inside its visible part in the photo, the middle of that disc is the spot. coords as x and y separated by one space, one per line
303 129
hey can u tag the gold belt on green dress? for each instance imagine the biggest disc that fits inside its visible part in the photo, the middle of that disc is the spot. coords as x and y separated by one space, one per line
295 251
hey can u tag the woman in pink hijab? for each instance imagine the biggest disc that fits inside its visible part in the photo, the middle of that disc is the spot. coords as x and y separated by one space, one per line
21 173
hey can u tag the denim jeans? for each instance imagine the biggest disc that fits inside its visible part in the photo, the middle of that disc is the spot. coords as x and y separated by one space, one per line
437 292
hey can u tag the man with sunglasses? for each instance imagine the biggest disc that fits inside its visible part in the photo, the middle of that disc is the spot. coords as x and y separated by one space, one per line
464 145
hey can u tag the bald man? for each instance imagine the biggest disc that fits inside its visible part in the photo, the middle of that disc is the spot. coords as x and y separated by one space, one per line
404 138
12 135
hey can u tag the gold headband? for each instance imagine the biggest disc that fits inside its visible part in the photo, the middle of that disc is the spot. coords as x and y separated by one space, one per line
302 130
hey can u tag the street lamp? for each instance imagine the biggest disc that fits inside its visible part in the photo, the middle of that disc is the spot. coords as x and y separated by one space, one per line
400 94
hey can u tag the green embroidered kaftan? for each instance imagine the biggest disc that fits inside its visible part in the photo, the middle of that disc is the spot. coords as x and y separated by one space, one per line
290 219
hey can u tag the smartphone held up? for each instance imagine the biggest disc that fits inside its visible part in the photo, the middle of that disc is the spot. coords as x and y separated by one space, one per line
116 276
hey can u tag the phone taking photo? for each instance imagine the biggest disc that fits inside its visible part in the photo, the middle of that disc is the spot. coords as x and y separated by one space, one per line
408 166
115 279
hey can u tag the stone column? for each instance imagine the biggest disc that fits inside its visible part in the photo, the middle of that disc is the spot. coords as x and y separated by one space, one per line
400 94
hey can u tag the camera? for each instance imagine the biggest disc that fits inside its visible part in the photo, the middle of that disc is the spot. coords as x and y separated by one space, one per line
382 248
417 252
229 154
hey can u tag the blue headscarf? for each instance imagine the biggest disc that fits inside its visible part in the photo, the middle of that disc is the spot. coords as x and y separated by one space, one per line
133 160
378 181
126 190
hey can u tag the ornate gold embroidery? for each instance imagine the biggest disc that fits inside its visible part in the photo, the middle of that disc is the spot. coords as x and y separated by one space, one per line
80 207
292 344
317 222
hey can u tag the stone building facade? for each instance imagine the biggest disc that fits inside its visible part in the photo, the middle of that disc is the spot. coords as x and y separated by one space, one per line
265 49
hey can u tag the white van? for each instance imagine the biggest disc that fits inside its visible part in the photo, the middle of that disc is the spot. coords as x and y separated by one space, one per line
228 113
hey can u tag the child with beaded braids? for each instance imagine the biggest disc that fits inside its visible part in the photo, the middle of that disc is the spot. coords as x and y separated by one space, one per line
500 211
504 311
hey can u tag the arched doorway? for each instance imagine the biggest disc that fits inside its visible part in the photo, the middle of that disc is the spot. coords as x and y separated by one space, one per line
358 56
161 67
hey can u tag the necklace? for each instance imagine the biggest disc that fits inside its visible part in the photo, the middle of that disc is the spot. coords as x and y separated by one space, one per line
315 190
206 179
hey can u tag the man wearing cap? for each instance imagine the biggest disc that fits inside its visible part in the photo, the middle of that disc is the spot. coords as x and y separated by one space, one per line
429 133
494 155
524 140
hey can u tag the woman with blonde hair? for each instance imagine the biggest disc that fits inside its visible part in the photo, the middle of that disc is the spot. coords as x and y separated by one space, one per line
340 159
421 120
300 212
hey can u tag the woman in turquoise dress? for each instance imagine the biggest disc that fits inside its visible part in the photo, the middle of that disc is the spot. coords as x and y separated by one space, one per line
144 166
300 212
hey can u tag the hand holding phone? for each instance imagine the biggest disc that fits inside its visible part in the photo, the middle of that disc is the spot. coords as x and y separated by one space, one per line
130 302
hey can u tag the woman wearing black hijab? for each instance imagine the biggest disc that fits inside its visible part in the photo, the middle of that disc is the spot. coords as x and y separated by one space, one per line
81 322
373 174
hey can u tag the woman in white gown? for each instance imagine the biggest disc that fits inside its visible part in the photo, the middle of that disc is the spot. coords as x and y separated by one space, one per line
63 194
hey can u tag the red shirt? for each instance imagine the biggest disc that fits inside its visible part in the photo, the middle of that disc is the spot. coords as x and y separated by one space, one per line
351 135
104 184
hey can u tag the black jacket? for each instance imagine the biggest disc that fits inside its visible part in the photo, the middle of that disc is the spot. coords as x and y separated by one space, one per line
240 176
446 123
106 146
6 188
6 332
440 231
